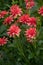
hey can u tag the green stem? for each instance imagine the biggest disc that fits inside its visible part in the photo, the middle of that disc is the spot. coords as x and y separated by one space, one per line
20 48
12 1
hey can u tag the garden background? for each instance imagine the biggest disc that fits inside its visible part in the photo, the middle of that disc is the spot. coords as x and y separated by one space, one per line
18 50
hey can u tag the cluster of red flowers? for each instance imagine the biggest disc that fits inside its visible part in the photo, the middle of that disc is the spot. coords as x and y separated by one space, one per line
29 3
26 19
14 30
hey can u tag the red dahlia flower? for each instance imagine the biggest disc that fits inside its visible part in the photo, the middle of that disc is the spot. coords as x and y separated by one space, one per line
30 33
15 10
3 41
3 13
13 30
8 20
40 11
24 18
29 3
31 21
